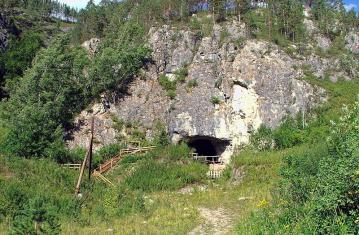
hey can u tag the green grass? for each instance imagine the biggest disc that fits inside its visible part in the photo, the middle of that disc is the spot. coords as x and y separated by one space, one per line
339 94
147 191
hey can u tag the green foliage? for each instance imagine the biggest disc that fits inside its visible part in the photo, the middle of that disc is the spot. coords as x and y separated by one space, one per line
44 8
194 24
169 86
160 137
215 100
20 53
118 123
317 193
44 101
169 168
166 83
114 66
262 139
337 47
107 152
37 217
288 134
224 35
120 202
350 65
171 93
192 83
22 198
154 176
181 74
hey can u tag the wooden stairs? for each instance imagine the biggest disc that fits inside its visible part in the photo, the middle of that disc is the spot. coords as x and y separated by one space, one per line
108 165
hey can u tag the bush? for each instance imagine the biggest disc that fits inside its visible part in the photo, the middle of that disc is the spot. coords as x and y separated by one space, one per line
194 24
181 74
177 152
38 217
288 134
166 83
172 94
118 123
224 35
215 100
192 83
318 190
106 153
160 137
262 139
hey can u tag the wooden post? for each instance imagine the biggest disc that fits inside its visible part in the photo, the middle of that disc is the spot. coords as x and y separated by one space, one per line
88 154
90 147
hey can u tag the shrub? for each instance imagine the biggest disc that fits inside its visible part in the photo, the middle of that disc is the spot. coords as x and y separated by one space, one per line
337 47
181 74
288 134
106 153
192 83
178 152
215 100
262 139
38 217
317 192
160 137
194 24
224 35
166 83
118 123
240 42
171 93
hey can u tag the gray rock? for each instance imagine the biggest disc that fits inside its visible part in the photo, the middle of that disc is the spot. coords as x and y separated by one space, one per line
256 84
323 43
92 45
352 42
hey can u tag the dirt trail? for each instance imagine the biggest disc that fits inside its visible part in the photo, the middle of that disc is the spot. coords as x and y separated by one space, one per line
216 222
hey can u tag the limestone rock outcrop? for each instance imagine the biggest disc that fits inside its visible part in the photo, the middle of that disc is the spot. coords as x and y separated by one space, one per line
255 83
352 42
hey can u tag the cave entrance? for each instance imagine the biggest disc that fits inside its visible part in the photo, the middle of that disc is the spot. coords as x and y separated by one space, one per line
207 148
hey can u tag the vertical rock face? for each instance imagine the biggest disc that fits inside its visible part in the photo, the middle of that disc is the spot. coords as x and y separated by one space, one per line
352 42
255 83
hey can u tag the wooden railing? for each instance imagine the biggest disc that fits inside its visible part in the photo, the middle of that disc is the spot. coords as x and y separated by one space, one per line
215 159
75 166
108 165
214 174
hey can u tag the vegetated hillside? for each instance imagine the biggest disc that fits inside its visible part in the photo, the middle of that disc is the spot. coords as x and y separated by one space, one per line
25 28
300 177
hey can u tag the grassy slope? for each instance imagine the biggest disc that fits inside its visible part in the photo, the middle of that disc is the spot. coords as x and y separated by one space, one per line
165 211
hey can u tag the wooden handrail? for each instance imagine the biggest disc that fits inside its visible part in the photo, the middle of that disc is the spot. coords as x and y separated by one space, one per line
108 165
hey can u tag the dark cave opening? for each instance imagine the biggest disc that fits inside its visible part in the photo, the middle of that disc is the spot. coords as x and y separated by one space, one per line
203 147
208 147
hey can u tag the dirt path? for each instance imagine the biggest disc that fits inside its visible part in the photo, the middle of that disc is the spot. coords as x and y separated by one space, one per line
216 222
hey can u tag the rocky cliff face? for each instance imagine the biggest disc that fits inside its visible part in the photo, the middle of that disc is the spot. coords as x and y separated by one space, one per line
255 83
